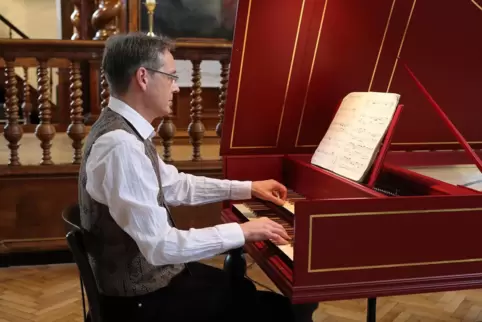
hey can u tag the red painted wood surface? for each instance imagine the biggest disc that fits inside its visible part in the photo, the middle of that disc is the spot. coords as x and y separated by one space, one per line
293 62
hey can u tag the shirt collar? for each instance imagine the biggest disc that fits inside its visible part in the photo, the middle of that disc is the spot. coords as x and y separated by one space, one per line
145 129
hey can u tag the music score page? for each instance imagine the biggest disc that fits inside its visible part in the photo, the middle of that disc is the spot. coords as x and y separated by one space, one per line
352 141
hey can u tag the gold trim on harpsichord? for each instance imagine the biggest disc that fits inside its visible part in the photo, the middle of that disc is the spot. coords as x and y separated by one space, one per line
313 65
476 4
287 82
393 75
401 45
309 79
381 45
381 213
437 143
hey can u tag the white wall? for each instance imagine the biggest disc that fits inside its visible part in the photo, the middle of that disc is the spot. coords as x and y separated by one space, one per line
36 18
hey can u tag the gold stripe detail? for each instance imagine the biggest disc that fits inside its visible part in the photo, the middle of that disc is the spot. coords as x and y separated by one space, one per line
291 69
311 74
438 143
287 83
476 4
313 64
381 45
240 73
379 213
401 45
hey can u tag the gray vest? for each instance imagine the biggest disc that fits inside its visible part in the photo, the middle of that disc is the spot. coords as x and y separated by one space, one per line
119 267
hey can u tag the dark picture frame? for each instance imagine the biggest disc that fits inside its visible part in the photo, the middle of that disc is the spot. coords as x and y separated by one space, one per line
211 19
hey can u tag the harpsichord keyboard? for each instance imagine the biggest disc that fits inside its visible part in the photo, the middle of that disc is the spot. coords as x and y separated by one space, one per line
280 214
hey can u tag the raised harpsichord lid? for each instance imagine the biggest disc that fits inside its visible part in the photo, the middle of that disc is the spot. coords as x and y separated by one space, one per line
294 61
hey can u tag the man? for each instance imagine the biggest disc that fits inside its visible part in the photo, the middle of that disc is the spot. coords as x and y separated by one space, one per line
138 257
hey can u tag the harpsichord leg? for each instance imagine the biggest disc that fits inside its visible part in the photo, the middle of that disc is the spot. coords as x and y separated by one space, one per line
235 263
372 309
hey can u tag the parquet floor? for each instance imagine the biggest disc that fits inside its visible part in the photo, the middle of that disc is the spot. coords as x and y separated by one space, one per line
51 293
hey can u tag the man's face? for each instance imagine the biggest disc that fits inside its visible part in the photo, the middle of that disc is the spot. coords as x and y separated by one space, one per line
162 86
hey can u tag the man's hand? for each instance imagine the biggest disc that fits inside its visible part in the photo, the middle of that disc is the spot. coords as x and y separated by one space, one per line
264 229
270 190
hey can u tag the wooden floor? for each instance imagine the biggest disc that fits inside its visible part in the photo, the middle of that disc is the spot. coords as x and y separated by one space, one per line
51 293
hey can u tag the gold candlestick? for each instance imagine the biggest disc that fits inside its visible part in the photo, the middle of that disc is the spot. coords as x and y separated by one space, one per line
151 5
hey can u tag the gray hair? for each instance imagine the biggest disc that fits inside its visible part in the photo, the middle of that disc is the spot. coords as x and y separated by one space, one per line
124 54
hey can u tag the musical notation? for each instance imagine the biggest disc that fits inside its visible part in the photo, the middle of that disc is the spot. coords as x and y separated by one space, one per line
354 136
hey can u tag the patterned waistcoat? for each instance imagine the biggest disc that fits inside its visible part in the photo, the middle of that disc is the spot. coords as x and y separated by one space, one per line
119 267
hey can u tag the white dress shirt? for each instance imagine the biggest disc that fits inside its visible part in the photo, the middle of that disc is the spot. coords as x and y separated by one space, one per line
120 175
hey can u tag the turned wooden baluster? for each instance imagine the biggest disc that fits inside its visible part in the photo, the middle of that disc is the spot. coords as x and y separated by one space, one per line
196 127
75 19
76 129
27 103
222 95
167 131
104 19
44 131
12 130
104 94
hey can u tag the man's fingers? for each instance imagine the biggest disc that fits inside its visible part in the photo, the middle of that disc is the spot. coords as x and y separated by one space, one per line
282 191
279 230
274 224
282 233
279 240
275 199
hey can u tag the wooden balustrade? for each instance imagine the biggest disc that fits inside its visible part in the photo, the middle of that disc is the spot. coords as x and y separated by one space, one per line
80 56
39 160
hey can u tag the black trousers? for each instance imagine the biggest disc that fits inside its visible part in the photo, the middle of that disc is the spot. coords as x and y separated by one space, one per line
206 293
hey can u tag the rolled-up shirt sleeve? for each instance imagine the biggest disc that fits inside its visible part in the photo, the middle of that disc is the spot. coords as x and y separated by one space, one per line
121 176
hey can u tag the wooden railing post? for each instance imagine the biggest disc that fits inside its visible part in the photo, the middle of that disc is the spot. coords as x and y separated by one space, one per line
222 94
12 131
27 103
196 127
45 131
75 19
104 94
104 19
167 130
76 129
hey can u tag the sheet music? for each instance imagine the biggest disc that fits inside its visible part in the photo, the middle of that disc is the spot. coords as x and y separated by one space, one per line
354 136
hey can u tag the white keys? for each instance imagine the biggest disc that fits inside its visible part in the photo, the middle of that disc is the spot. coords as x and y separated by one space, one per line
287 249
248 213
290 207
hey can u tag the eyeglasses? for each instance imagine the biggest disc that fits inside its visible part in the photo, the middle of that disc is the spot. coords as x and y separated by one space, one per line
171 76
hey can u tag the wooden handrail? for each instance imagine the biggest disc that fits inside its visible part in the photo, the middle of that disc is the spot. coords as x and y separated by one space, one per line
10 25
92 49
31 62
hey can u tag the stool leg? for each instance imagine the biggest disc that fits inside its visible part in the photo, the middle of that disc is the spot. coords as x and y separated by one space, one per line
83 300
372 309
235 263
